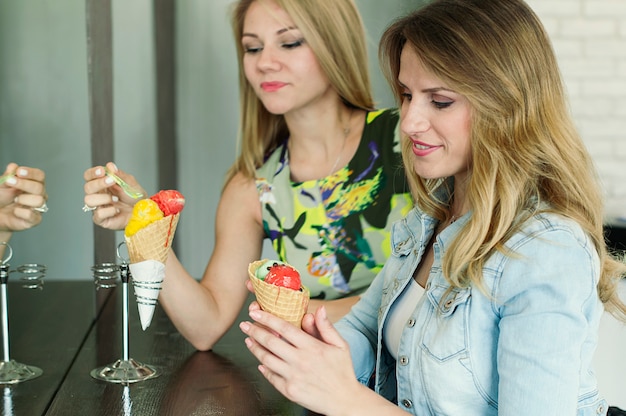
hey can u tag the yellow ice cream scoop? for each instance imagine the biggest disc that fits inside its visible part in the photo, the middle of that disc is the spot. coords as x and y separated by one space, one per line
145 212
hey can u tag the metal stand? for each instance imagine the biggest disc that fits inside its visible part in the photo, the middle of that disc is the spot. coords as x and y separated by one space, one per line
125 370
11 372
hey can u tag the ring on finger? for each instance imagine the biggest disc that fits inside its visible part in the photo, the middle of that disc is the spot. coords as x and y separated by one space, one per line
87 208
42 209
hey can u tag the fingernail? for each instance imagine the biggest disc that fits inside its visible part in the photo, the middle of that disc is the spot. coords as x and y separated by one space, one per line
22 172
248 342
114 167
244 326
109 180
114 198
98 172
12 181
255 315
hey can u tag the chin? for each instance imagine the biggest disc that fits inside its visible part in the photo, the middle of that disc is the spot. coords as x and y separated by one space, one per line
276 110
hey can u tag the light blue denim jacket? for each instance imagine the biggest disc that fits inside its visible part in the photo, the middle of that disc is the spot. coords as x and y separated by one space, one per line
526 349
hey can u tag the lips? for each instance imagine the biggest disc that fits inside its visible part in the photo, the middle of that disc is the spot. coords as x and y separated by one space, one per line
272 86
422 149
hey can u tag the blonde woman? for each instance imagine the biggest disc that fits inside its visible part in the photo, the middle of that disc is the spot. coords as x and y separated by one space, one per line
491 300
320 170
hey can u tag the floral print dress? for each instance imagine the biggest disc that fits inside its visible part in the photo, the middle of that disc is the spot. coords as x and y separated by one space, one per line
335 230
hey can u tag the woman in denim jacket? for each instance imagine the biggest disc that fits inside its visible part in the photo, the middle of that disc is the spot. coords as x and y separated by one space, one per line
491 300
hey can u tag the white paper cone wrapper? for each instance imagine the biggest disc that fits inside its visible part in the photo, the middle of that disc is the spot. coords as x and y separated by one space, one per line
147 281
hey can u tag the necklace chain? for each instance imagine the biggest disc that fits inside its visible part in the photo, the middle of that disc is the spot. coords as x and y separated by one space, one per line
346 133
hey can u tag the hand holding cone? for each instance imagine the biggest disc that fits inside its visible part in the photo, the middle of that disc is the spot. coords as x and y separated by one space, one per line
149 235
276 291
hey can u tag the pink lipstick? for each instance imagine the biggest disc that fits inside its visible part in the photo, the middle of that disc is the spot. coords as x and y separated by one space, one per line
272 86
422 149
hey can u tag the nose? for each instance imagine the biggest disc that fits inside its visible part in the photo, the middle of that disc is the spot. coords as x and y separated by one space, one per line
268 59
413 119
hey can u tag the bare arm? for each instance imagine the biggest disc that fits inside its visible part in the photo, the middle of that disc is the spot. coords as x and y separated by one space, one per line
335 309
203 311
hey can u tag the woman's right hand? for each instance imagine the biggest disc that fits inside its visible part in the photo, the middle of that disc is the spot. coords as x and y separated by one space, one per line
110 206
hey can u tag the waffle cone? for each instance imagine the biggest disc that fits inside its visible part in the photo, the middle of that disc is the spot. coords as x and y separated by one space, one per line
288 304
153 241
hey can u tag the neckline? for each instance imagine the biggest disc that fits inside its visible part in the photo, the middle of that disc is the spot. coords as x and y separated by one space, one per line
359 149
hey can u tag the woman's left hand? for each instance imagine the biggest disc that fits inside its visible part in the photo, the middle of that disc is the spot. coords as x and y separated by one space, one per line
311 366
22 198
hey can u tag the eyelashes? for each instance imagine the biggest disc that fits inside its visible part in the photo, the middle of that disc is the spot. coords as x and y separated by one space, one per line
440 105
286 45
294 44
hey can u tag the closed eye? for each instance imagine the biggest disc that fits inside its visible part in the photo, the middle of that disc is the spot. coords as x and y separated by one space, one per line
293 45
442 104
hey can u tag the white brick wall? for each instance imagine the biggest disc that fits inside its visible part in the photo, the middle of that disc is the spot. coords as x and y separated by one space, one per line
589 37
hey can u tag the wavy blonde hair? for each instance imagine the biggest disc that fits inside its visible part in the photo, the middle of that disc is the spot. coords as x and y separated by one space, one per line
525 150
334 31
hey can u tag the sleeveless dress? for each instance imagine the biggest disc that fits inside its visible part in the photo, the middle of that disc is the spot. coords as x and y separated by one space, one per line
335 230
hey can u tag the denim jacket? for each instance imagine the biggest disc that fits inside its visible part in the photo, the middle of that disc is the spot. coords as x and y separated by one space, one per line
525 348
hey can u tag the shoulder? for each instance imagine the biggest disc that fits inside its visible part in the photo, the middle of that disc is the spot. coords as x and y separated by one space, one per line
550 253
382 132
240 190
386 117
550 229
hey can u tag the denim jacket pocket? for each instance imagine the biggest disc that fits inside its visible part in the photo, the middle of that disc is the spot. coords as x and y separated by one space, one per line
446 329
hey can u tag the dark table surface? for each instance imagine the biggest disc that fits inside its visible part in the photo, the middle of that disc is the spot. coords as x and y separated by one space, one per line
60 330
47 328
224 381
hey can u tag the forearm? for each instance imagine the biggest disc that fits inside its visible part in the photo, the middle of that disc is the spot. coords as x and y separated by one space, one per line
335 309
192 307
363 401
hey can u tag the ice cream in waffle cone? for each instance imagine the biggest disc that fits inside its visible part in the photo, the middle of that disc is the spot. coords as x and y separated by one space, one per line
153 241
285 302
149 236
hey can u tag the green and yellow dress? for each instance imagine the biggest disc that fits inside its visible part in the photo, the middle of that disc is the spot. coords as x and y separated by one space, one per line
335 230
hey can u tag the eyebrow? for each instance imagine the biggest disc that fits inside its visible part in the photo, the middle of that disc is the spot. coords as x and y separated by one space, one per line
429 90
279 32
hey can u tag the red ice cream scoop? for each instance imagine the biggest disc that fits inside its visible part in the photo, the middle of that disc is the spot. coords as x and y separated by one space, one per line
170 201
283 275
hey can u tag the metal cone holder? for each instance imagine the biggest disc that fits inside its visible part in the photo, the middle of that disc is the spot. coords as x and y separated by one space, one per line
12 372
125 370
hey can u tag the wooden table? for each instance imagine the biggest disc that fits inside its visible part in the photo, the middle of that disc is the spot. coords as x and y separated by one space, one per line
47 329
224 381
68 329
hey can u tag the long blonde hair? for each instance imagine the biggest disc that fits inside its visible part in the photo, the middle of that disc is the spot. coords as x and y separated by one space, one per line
525 148
334 30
